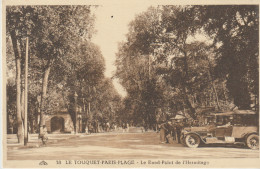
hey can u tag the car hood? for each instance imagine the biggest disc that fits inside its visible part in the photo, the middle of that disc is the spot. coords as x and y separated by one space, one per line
193 129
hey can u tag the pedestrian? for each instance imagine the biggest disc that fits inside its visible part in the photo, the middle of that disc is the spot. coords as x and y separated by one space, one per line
127 127
162 133
161 120
115 127
90 128
124 127
165 132
95 126
107 126
43 135
178 127
86 129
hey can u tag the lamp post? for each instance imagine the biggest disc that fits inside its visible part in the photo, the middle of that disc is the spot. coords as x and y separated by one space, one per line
76 113
79 119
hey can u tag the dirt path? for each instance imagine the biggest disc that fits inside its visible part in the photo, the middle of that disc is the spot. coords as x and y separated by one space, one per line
124 146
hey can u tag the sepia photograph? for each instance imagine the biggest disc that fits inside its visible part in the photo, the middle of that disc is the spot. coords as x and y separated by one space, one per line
130 84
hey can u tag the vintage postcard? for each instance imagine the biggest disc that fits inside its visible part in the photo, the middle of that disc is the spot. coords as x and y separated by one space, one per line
130 84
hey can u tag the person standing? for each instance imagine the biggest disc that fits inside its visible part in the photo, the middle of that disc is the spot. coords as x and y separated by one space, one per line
127 127
161 119
124 127
166 132
178 128
108 126
90 128
44 136
163 133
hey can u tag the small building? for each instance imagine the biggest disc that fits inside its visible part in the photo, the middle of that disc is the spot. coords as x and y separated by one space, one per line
59 122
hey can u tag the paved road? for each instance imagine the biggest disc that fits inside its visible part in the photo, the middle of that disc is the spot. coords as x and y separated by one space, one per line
123 146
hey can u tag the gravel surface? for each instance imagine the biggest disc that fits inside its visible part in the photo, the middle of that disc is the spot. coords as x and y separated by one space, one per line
118 145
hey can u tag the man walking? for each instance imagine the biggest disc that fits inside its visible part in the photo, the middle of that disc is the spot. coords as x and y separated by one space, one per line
44 136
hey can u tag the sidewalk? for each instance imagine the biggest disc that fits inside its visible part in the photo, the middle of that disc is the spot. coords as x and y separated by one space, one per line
34 142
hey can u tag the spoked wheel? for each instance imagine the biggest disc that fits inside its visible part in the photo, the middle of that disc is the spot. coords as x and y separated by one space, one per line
192 140
252 141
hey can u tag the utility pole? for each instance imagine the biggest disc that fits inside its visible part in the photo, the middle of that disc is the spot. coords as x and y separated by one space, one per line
26 94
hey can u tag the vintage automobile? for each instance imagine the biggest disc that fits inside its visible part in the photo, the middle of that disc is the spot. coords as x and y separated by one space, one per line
233 127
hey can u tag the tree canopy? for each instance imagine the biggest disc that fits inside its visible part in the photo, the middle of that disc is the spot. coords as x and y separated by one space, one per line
63 60
163 53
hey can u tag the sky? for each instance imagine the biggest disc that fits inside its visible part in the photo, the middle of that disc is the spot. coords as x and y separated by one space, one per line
112 25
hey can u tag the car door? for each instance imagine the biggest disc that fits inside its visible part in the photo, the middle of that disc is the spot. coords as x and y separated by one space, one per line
223 131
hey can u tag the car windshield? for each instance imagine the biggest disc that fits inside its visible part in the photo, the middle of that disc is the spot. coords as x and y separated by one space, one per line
245 120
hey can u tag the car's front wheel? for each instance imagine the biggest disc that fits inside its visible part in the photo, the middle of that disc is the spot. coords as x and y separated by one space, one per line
252 141
192 140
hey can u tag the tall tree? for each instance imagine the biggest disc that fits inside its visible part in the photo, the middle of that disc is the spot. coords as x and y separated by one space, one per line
136 66
162 43
235 31
54 33
59 28
86 70
19 25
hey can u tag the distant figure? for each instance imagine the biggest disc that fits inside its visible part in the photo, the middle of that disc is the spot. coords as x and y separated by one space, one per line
101 127
90 128
127 127
142 129
86 129
95 126
145 127
124 127
43 135
115 127
107 126
104 126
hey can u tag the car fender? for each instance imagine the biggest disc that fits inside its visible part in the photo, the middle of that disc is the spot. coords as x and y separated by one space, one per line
248 134
196 134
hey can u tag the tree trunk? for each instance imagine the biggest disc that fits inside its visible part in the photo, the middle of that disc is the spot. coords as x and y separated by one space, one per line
32 122
186 86
214 89
224 93
212 83
192 112
43 96
20 135
22 104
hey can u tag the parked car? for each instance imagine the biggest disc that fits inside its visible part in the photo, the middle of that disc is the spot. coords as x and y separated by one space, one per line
239 126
